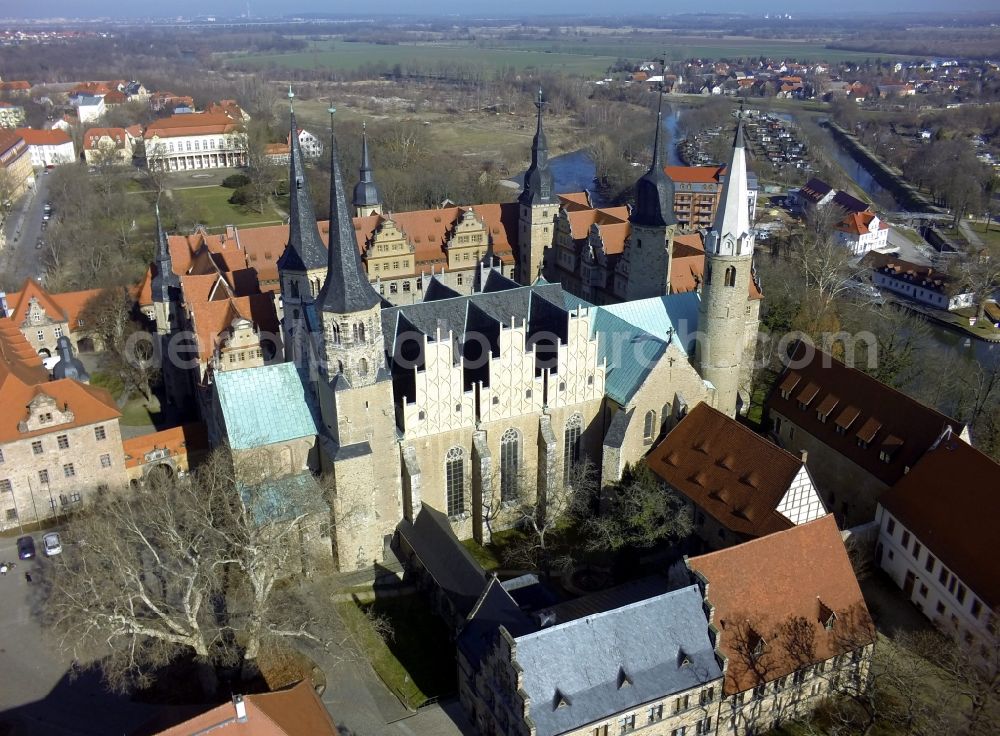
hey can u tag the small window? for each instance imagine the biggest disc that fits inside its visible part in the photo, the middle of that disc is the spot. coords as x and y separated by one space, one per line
43 476
929 563
977 608
63 441
100 434
890 527
923 590
1 456
36 447
68 470
906 539
105 461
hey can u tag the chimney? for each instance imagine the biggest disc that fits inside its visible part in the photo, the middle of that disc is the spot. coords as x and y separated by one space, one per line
805 455
241 709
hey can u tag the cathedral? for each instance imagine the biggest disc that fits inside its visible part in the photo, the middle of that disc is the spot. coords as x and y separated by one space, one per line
463 357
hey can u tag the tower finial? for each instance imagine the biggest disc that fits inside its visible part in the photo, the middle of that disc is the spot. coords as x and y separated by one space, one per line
291 98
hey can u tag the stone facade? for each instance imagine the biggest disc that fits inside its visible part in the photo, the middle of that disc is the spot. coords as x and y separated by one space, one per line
58 464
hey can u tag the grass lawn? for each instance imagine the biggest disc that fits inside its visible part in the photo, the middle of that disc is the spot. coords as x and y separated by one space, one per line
135 413
214 210
484 555
417 662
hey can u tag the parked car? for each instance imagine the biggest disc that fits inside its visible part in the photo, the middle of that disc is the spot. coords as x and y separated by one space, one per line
46 216
25 548
40 243
51 544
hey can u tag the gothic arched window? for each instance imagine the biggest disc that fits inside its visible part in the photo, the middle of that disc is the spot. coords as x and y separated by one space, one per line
454 472
510 464
731 276
648 426
335 333
571 444
294 284
665 417
363 367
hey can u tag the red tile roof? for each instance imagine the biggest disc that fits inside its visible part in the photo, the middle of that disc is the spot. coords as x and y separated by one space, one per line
181 440
732 473
695 174
93 137
199 123
294 711
868 410
53 137
22 378
66 306
778 592
950 501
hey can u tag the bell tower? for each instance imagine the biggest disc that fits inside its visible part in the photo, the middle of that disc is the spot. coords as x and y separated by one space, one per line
367 197
644 269
302 265
166 285
538 206
725 289
348 307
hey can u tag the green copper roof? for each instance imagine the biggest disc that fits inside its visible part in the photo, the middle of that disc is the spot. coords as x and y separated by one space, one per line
633 336
265 405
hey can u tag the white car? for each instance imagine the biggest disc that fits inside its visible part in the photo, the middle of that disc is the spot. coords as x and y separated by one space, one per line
51 544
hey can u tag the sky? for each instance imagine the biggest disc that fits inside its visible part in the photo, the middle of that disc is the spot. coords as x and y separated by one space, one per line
164 8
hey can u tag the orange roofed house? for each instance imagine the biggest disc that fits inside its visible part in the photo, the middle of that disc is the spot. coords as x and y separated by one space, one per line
737 484
937 527
293 711
861 435
48 147
59 439
106 145
195 141
791 624
43 317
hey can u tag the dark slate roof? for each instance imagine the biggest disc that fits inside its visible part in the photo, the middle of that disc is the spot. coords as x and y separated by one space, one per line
654 192
165 284
304 250
530 593
366 193
609 599
446 560
496 281
437 289
69 366
346 288
610 662
495 608
538 179
846 202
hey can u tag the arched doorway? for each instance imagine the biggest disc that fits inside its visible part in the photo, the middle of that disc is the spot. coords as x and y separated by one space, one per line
159 475
45 353
85 345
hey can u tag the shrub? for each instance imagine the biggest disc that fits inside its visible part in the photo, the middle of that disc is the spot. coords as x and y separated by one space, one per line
235 181
240 197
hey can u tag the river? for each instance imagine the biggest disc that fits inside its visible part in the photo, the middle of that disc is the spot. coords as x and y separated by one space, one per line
574 171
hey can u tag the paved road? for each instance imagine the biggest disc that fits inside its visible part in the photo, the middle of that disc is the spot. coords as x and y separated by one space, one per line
908 251
20 258
37 695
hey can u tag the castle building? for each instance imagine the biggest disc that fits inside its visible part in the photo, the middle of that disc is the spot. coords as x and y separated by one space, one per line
43 317
473 395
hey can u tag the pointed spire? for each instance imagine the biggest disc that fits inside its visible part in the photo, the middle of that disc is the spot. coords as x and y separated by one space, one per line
654 192
346 288
538 180
304 250
366 193
730 233
164 279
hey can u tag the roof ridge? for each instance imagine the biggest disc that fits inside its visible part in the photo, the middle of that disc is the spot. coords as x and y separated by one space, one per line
755 541
612 611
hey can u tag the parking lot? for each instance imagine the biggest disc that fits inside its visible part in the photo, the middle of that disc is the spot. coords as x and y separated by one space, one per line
38 694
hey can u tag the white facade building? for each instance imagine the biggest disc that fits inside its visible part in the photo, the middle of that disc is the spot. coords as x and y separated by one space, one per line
48 147
312 147
195 141
936 527
919 283
861 232
89 108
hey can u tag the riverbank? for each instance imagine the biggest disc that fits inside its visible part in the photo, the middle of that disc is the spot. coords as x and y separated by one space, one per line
956 323
887 176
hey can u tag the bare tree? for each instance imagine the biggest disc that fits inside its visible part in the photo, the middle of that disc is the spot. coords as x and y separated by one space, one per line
824 264
638 512
980 273
188 569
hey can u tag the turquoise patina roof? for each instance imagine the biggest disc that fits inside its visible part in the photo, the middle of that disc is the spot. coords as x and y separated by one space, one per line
675 315
264 405
633 336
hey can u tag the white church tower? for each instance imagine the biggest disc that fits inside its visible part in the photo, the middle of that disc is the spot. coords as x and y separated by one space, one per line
725 289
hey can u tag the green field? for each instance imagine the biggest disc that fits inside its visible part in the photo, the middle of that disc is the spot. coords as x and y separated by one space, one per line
212 206
344 56
586 57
